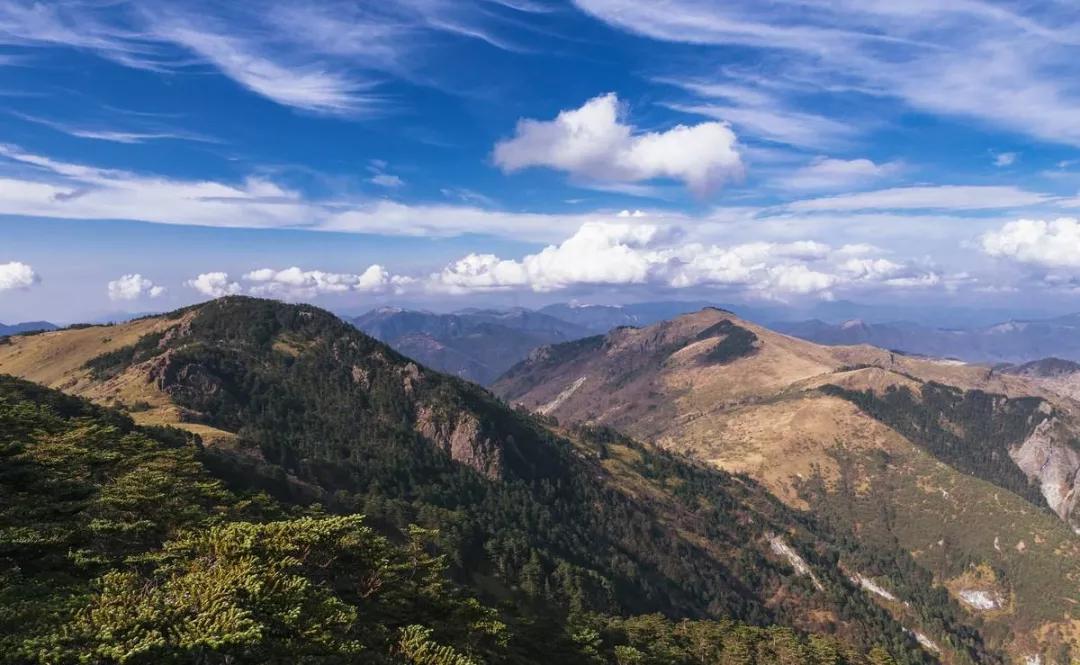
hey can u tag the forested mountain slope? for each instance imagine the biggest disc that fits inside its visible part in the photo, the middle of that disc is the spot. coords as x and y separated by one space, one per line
561 530
117 544
962 466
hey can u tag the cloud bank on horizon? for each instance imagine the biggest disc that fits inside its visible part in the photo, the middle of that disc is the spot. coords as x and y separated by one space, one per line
486 149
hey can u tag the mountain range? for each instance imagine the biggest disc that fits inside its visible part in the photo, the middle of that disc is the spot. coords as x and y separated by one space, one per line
1013 341
190 486
479 345
971 471
195 495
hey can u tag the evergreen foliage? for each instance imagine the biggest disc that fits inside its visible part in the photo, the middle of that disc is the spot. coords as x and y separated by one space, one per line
118 546
969 430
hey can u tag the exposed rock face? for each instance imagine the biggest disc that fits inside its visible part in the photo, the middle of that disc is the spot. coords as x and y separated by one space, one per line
1046 457
172 376
462 437
981 599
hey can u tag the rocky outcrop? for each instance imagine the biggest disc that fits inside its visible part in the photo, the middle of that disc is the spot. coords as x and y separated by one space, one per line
462 437
1046 457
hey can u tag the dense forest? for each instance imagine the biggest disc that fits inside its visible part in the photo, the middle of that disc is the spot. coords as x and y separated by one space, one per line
137 544
117 545
970 430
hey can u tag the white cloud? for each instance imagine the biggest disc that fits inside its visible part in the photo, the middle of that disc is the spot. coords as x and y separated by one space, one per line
322 56
214 284
593 143
1005 159
610 253
955 197
772 122
305 86
1050 244
132 287
468 196
829 174
58 189
111 134
295 283
599 253
44 187
968 58
387 180
16 275
868 268
393 218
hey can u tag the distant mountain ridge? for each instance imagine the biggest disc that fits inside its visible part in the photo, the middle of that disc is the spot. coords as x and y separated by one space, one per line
474 344
1013 341
481 344
25 327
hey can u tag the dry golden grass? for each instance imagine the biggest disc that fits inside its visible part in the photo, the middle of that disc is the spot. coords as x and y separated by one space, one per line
763 415
56 359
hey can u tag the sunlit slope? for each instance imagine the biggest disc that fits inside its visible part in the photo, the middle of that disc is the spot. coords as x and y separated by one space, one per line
577 520
928 446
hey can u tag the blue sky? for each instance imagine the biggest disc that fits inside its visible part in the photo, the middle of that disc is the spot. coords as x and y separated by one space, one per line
448 153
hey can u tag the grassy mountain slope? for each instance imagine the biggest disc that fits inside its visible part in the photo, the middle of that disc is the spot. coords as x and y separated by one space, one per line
300 404
934 456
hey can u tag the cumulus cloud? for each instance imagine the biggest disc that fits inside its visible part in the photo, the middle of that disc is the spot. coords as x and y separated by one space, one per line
214 284
297 283
17 275
599 253
616 253
132 287
595 144
1050 244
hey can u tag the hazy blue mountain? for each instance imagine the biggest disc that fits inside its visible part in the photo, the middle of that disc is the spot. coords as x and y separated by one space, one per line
25 327
1011 341
475 344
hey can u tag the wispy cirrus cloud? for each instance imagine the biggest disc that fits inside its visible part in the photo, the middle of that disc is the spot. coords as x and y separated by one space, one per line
327 56
827 173
113 135
1006 65
39 186
950 197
